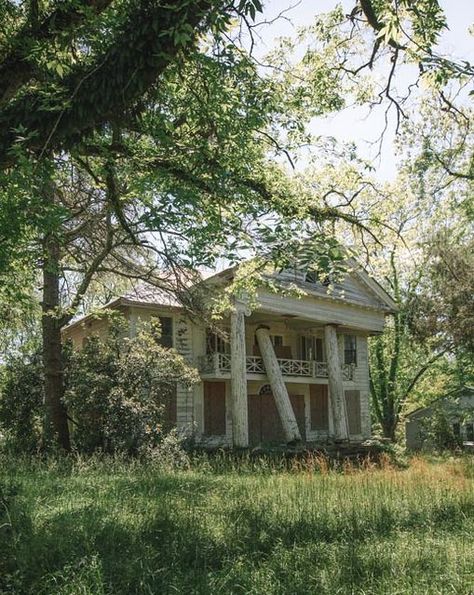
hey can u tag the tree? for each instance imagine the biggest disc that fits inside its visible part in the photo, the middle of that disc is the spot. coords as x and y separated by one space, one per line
117 390
398 361
174 129
188 167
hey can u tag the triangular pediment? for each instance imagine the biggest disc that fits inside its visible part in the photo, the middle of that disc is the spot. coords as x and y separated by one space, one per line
354 286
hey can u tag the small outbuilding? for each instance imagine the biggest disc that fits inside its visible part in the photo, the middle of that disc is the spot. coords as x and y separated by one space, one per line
455 411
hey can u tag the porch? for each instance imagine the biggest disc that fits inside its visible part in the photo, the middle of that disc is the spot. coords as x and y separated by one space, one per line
277 349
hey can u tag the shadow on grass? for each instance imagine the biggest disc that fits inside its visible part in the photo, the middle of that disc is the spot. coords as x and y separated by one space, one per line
159 535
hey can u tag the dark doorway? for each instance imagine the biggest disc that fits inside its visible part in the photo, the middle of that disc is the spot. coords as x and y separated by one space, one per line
265 425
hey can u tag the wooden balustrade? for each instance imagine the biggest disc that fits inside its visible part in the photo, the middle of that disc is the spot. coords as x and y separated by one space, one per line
219 364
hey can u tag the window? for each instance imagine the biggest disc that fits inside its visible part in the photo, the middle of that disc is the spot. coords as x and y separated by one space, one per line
281 350
214 408
350 349
314 278
277 340
265 389
165 337
312 349
457 429
319 407
216 343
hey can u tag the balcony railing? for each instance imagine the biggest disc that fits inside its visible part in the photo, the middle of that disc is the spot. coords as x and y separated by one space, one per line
218 364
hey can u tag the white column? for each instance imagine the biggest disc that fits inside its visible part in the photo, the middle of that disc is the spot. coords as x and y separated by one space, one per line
336 387
238 371
280 394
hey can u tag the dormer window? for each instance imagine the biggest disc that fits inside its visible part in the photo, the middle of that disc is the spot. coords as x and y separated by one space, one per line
314 278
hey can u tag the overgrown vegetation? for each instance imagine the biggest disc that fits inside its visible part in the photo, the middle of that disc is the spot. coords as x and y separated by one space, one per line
117 389
71 526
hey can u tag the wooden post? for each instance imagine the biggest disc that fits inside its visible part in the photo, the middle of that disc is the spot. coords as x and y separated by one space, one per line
280 394
238 375
336 387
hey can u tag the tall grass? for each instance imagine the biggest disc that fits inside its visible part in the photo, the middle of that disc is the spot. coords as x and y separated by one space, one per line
227 525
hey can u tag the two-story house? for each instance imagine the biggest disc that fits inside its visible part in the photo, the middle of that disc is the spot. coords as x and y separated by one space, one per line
290 369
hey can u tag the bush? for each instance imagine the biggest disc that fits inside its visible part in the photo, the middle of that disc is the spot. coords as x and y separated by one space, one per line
117 390
438 431
21 403
116 393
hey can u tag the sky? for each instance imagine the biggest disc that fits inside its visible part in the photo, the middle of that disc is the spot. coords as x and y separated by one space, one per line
355 124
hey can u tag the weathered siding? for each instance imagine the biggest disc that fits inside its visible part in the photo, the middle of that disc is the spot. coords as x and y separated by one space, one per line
184 395
183 343
361 382
348 287
323 311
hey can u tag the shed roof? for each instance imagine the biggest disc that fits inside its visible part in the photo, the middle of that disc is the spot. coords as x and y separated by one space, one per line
465 391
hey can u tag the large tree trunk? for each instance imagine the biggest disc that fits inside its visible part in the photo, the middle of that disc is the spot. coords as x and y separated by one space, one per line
55 424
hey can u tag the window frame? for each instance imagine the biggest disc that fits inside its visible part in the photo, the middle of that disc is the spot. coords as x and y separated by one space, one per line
315 341
350 353
314 278
163 335
217 343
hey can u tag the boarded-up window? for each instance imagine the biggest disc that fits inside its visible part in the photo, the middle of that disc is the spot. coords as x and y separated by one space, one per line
319 407
353 411
214 408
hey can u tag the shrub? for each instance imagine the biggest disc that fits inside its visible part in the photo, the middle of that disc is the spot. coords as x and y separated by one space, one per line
21 403
438 431
117 390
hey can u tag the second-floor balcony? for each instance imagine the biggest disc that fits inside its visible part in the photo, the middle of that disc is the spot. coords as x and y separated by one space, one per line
217 365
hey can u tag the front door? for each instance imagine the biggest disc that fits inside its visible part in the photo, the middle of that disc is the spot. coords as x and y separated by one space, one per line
265 425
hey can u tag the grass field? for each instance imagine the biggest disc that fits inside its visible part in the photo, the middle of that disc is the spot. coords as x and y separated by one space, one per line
106 527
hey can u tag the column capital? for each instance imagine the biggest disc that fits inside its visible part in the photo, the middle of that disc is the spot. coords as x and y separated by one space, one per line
241 305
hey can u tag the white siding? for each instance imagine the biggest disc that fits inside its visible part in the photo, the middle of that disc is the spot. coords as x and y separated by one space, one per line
184 395
348 287
361 383
323 311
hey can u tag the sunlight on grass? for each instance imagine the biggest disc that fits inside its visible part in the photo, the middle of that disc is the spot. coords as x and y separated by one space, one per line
228 526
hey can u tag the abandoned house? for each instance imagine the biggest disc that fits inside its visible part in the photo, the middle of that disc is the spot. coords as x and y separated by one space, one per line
292 369
458 410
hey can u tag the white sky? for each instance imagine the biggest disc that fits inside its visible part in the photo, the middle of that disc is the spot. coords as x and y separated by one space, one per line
355 124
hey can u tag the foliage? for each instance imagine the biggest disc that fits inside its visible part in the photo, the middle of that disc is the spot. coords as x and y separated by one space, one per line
437 429
21 402
109 526
445 303
117 389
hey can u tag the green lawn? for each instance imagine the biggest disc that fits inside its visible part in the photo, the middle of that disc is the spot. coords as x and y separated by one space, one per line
109 527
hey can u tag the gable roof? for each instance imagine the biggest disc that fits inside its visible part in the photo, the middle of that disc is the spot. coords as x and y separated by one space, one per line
464 395
355 283
148 295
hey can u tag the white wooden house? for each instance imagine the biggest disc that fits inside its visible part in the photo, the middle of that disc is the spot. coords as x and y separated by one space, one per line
293 368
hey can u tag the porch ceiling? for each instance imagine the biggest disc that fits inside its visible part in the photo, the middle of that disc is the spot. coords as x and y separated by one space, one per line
291 322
